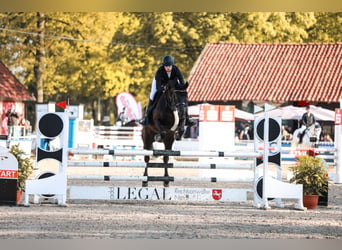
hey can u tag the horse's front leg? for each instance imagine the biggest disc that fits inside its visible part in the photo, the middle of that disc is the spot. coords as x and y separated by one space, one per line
181 124
147 159
168 142
159 137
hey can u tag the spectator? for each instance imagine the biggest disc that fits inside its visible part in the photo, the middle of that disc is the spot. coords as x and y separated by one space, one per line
25 125
244 132
327 138
123 117
12 120
286 135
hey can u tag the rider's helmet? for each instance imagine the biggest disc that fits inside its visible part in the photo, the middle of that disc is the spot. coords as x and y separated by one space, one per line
168 61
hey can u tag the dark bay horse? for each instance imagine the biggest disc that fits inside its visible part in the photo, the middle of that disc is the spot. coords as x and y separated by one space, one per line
163 124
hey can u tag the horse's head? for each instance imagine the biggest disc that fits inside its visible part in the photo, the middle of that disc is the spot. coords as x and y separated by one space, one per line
317 129
171 86
170 94
314 132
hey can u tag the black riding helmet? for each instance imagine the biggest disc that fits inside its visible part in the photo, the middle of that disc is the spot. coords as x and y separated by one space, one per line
168 61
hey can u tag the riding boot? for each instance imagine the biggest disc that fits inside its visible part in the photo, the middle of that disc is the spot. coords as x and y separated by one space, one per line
301 137
188 122
145 121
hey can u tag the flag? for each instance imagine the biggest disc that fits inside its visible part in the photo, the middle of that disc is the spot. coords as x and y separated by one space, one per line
62 104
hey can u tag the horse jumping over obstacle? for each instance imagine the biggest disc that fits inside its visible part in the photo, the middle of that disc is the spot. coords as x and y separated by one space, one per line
163 125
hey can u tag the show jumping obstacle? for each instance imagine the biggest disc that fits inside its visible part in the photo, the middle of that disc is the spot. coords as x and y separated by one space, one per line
57 184
170 193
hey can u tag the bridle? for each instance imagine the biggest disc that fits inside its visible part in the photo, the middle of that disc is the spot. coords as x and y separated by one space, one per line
170 96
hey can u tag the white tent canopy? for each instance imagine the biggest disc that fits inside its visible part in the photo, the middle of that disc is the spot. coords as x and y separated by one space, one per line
296 113
240 114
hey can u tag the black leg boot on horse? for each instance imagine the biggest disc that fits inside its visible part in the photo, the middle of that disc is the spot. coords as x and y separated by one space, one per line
182 108
182 120
301 135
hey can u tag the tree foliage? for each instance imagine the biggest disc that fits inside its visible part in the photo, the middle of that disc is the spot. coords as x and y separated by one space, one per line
91 56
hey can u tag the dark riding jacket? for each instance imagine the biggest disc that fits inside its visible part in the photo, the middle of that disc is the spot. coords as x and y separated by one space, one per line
308 119
162 78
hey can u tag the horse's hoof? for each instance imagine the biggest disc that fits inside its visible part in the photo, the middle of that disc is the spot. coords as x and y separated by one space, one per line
146 158
178 137
158 138
145 184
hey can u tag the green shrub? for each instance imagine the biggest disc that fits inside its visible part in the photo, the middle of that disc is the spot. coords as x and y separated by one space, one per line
25 166
312 173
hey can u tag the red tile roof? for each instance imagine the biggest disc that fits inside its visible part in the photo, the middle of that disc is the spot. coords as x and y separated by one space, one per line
267 72
11 88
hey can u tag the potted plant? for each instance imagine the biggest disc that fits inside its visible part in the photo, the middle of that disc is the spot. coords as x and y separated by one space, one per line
313 174
25 169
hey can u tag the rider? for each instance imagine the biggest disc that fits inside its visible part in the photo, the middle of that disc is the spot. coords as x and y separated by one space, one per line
168 71
308 119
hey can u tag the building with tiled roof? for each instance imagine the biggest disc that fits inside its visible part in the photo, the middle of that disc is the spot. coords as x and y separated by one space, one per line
12 92
11 89
234 73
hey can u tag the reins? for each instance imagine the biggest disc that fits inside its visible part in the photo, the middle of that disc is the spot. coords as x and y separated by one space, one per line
170 97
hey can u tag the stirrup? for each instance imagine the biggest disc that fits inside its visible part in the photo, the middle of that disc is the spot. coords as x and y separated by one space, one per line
190 122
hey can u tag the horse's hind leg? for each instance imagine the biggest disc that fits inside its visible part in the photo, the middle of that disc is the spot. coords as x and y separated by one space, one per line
148 145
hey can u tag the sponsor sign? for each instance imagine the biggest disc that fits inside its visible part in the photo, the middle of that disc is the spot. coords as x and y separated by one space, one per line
127 100
216 113
216 194
227 113
338 116
157 193
8 165
8 174
209 113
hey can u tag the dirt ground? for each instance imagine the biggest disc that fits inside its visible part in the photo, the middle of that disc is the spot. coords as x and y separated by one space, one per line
169 220
89 219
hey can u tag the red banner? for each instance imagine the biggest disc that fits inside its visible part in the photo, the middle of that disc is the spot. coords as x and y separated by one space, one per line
338 116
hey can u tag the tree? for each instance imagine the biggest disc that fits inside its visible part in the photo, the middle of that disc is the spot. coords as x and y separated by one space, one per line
327 28
93 56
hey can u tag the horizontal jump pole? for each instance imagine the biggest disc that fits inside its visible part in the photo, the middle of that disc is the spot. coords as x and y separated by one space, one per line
332 150
163 178
124 152
285 149
327 157
159 165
